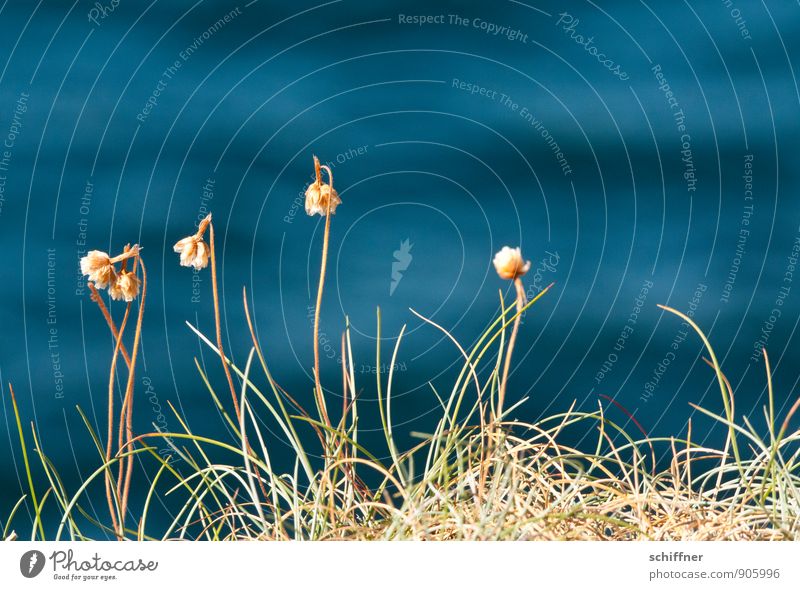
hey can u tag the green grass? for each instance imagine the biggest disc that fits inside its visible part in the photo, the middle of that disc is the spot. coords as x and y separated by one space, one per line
479 475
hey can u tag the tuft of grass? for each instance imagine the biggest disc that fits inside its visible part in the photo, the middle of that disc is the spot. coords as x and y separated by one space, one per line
477 476
480 475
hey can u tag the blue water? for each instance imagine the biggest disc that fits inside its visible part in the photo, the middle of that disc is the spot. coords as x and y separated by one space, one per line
640 153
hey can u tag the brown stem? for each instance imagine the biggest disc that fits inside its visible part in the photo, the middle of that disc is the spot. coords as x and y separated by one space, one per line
344 384
278 388
217 323
217 318
129 392
317 170
98 299
201 229
128 253
109 444
121 423
509 351
325 239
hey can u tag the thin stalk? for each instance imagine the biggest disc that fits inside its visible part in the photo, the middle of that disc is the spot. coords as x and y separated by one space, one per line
217 323
325 240
123 411
129 390
98 299
510 350
110 440
26 462
727 401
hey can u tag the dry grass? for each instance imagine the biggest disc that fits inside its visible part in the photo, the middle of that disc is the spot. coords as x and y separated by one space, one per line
478 475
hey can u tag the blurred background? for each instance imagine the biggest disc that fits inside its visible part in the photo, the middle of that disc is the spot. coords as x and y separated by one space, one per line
639 153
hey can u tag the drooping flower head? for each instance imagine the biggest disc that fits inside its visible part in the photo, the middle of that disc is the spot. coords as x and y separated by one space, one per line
99 267
193 250
321 196
126 286
509 263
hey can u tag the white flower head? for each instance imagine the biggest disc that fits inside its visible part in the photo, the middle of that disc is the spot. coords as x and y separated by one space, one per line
321 196
98 267
193 250
125 287
509 263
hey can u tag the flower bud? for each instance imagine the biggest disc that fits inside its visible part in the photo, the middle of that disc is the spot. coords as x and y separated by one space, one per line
509 263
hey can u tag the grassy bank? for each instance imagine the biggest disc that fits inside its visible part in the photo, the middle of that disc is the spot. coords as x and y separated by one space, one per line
480 474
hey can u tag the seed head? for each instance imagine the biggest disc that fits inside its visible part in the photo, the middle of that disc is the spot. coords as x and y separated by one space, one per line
125 287
98 267
193 250
321 196
509 263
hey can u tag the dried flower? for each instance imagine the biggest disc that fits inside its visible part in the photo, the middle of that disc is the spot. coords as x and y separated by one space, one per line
98 267
509 263
125 287
193 250
321 196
